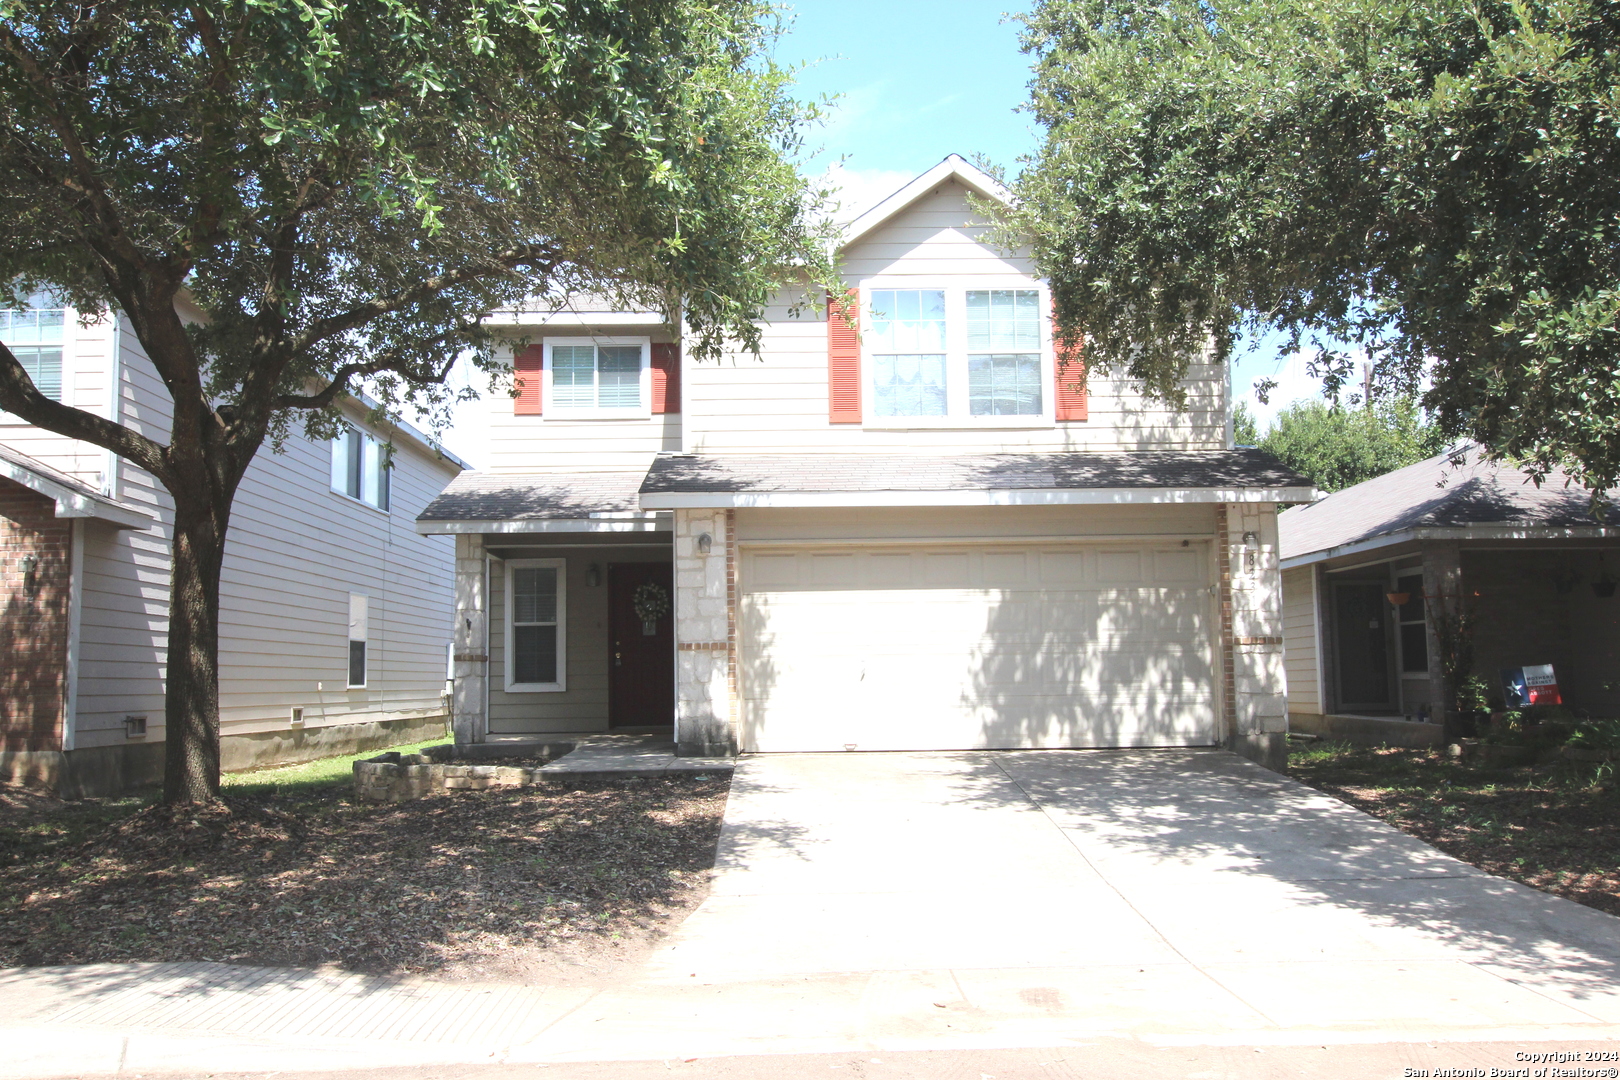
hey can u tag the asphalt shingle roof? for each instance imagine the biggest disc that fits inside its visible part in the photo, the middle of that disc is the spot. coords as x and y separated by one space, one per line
1434 494
1243 468
484 496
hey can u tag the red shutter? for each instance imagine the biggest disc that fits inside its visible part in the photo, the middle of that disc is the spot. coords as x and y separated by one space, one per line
844 358
1069 395
526 370
666 377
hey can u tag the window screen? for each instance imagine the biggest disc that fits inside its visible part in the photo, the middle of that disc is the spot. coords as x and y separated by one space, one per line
596 376
908 350
534 624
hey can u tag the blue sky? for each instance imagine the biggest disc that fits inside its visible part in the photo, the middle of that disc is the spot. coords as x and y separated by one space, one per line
918 81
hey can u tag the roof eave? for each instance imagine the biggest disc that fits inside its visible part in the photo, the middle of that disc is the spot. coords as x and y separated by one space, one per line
647 522
1454 532
953 167
71 503
693 500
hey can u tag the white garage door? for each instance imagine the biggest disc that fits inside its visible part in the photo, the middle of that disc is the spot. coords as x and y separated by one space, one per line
888 648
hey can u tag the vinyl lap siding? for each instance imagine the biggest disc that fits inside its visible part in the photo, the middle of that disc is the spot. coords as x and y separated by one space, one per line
294 553
778 402
1299 639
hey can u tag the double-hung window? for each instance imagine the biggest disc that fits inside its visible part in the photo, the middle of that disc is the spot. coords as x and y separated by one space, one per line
34 334
360 468
1004 352
908 350
598 377
535 624
955 355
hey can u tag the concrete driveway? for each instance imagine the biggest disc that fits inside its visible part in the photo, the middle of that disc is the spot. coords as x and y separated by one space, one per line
910 900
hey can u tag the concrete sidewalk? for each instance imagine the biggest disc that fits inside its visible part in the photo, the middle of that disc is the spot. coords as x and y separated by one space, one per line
889 902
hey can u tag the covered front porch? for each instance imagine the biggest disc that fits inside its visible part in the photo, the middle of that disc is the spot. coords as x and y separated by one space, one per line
564 608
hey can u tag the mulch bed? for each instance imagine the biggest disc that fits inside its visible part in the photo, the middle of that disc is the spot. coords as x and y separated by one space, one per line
488 884
1552 827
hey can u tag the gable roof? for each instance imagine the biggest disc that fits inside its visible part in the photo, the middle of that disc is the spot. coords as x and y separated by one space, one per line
955 167
74 498
1431 499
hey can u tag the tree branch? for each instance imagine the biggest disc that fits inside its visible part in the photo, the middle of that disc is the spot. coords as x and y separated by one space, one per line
388 361
19 395
504 263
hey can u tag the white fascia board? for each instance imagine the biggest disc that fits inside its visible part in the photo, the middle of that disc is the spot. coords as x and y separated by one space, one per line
641 523
574 319
76 504
1455 532
708 500
954 167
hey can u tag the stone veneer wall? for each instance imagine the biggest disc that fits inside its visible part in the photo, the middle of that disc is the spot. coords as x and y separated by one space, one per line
469 663
1252 626
706 720
34 626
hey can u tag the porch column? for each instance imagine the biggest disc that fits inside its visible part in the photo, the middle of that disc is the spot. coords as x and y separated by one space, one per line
1442 603
705 634
470 655
1259 685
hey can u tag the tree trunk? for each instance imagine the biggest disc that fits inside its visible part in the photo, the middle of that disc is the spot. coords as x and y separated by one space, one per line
191 699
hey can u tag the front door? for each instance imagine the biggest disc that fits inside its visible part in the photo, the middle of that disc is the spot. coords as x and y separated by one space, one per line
641 631
1363 649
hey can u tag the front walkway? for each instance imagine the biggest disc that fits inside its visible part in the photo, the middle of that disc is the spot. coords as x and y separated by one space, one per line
909 901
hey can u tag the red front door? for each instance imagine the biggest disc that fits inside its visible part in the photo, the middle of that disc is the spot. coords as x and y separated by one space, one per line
641 666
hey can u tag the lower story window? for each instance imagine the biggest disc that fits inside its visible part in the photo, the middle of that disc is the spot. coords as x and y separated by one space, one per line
1004 384
535 623
359 632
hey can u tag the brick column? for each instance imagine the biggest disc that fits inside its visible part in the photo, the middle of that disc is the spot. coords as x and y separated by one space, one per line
1253 625
470 664
705 633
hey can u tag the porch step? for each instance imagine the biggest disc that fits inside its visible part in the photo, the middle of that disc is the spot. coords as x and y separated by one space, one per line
623 757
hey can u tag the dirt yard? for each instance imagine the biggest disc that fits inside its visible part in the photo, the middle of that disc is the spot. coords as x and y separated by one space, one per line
1553 827
528 885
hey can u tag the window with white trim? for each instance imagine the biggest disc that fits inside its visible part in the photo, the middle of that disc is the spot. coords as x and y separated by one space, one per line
360 468
359 634
536 607
955 352
35 334
598 377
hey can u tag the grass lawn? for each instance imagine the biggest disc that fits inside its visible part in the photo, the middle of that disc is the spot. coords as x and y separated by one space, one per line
520 883
1553 827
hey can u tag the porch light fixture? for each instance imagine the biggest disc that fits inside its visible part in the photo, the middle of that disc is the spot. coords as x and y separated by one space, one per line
705 543
593 575
1251 540
1398 599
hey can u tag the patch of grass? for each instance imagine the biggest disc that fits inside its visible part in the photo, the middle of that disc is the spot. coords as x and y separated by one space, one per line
1554 827
300 779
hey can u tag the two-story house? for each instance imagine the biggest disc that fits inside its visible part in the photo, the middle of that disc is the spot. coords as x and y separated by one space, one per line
910 523
334 612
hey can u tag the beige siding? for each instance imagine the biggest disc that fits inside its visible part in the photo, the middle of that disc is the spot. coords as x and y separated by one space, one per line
583 705
778 402
1300 638
295 552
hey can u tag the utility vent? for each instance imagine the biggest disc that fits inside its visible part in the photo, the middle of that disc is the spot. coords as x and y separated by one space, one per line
134 727
298 718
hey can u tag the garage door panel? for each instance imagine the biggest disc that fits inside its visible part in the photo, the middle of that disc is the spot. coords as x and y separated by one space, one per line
993 647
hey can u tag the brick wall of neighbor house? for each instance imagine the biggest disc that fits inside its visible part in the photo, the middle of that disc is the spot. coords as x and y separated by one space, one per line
1259 684
705 633
34 631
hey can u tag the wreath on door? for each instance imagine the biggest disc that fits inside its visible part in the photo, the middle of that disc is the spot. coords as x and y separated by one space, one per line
651 603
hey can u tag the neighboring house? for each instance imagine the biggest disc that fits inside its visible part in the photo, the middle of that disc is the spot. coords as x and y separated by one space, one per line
334 612
906 527
1530 569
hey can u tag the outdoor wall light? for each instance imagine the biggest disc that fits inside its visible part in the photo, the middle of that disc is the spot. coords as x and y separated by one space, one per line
593 576
1398 599
705 542
1251 540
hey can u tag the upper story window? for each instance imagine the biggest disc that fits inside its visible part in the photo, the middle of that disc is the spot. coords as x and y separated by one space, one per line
598 377
35 334
360 468
960 353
